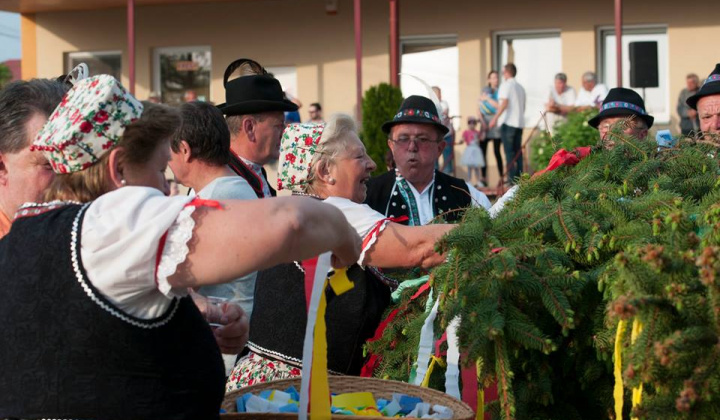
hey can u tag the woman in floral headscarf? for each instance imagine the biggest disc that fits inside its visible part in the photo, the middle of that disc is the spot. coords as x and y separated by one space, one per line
96 321
329 163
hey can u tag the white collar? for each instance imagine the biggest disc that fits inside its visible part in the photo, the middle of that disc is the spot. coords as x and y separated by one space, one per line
257 168
412 187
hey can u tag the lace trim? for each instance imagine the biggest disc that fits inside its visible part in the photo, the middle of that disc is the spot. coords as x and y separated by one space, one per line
373 238
90 292
263 352
176 249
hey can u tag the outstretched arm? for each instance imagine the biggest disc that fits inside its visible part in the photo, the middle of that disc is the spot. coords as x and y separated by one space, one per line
407 246
252 235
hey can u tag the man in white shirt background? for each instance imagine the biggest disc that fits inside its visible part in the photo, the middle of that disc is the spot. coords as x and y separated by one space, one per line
592 93
511 118
562 98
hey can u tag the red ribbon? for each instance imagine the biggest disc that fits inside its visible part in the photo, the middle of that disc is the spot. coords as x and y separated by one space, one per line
470 383
564 158
309 267
199 202
374 360
439 343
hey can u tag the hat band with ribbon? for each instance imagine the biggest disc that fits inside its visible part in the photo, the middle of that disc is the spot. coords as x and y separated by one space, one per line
626 105
416 113
712 78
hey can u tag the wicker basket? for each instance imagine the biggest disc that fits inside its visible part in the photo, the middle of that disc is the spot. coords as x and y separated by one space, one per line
341 384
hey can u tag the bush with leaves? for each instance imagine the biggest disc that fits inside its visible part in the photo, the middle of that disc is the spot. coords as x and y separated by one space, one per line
380 104
573 132
632 229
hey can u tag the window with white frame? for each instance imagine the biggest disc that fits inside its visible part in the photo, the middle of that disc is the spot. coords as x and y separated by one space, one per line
657 100
182 74
538 58
434 60
98 62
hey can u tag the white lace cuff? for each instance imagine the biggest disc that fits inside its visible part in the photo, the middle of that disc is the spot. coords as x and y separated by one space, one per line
175 252
371 238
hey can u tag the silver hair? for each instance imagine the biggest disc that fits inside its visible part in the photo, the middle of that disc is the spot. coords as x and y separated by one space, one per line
589 76
333 143
561 76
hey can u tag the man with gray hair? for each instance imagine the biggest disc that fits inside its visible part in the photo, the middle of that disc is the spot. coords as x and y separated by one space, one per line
255 113
562 99
24 175
591 94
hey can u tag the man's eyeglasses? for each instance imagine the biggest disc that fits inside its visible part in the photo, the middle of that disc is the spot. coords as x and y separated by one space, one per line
420 140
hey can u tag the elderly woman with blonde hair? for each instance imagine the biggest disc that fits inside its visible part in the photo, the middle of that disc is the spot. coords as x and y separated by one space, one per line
329 163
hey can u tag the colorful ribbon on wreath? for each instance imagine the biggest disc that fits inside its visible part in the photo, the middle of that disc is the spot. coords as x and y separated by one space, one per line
314 387
637 391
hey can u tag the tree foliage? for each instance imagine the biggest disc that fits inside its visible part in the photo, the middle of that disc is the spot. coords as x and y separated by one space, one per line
380 104
630 233
569 134
5 75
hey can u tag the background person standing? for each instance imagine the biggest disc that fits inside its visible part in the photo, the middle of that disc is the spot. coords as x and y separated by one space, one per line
511 118
488 105
688 116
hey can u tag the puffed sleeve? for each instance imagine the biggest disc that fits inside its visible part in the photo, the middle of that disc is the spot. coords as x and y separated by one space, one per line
132 240
367 222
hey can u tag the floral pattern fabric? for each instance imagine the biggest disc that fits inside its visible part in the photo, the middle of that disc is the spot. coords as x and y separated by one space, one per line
254 369
297 148
88 123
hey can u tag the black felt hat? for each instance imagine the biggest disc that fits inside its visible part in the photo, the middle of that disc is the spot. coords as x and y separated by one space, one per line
416 110
710 87
252 94
621 102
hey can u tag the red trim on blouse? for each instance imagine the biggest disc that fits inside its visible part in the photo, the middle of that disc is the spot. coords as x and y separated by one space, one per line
158 257
376 229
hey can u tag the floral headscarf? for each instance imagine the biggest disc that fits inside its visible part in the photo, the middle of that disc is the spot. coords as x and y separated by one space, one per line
298 147
88 123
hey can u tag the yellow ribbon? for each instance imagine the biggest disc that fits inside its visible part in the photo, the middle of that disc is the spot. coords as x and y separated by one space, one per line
480 414
637 327
319 387
433 361
340 282
618 390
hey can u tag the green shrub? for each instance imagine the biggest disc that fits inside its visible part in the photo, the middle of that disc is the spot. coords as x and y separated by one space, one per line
569 134
380 103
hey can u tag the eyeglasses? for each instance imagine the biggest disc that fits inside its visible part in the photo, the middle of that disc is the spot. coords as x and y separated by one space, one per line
420 140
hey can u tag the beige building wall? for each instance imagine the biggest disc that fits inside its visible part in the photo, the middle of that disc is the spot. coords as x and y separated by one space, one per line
299 33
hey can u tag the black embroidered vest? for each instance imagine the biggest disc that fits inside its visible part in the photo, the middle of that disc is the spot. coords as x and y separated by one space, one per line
239 167
451 196
66 352
277 326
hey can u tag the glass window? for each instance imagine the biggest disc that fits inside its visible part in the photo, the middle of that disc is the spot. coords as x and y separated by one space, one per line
657 100
98 62
538 58
182 74
435 61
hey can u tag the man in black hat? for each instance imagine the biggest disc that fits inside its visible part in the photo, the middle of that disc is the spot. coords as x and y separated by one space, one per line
415 189
622 106
707 103
254 111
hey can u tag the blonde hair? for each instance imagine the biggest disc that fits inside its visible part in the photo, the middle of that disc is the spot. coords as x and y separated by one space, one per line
332 144
139 141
